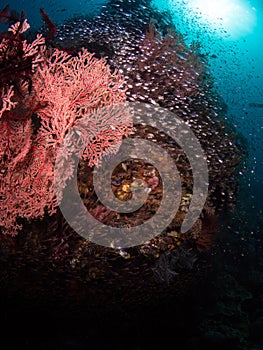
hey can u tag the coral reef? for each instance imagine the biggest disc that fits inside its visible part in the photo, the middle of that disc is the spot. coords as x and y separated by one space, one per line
156 67
37 111
159 69
168 289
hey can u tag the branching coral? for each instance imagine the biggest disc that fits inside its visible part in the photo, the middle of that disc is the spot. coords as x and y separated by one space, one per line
18 60
70 88
64 90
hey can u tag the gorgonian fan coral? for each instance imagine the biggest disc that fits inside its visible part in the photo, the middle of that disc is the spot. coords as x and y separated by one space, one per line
64 91
18 60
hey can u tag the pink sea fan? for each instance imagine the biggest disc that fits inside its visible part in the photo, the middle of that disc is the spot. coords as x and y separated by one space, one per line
25 176
66 91
80 91
18 60
71 88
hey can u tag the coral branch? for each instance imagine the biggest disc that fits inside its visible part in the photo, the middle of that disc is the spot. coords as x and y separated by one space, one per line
52 29
62 91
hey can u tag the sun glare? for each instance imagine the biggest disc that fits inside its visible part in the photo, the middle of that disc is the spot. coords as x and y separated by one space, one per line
233 18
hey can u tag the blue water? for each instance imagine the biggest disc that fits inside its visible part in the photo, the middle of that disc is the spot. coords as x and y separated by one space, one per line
236 63
58 10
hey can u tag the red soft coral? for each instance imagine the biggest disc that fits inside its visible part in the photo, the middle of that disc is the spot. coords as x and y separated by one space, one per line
66 91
